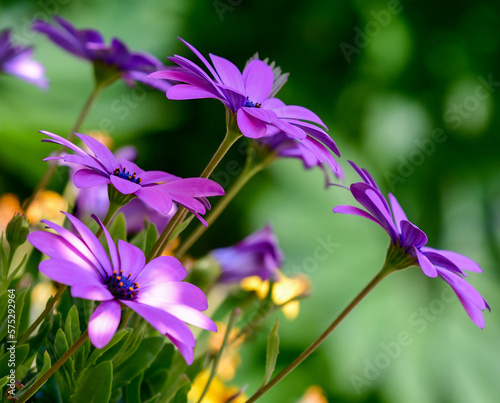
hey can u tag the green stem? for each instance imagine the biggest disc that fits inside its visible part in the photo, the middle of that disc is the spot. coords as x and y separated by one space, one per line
386 269
52 167
232 134
230 324
42 316
32 390
252 167
112 210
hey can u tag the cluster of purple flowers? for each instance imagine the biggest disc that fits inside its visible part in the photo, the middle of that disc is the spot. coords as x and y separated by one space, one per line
120 275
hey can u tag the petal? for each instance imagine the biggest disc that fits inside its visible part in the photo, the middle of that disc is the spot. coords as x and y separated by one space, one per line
398 212
104 322
181 92
91 291
155 197
143 77
412 235
298 112
163 269
123 185
258 78
69 273
438 259
132 259
191 315
265 115
427 267
100 151
292 129
86 178
164 322
62 141
174 292
149 177
461 261
365 175
228 73
185 350
345 209
250 126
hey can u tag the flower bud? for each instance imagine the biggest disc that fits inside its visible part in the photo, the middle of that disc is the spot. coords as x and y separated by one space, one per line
17 230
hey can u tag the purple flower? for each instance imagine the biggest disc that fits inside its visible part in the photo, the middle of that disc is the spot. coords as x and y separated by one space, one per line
256 255
411 241
153 290
16 61
310 151
248 95
111 59
156 188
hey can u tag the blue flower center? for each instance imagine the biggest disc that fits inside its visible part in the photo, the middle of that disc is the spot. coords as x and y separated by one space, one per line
124 174
250 104
121 287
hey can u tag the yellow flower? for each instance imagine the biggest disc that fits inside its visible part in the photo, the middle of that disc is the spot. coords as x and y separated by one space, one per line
230 359
314 394
285 291
47 205
9 205
218 392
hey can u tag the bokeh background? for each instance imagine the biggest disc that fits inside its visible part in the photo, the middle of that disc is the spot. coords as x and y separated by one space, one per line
409 90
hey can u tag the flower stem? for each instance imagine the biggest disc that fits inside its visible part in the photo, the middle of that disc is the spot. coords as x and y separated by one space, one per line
52 167
232 134
42 316
31 391
230 324
252 167
386 269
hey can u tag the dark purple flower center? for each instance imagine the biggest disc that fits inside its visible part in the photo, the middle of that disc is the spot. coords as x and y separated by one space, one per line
124 174
250 104
121 287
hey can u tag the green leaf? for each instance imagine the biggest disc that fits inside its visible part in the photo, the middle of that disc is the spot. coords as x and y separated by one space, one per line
139 361
151 238
181 382
273 344
118 228
22 320
72 325
46 365
129 347
60 347
181 396
180 228
21 352
3 382
96 385
133 390
154 399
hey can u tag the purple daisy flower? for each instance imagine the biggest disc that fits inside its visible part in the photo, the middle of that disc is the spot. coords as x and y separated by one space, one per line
257 255
16 61
248 95
408 238
311 152
89 44
153 290
156 188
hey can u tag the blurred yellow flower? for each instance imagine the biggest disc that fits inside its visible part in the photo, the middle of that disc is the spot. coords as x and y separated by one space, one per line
313 394
102 137
230 359
285 291
47 205
9 205
218 392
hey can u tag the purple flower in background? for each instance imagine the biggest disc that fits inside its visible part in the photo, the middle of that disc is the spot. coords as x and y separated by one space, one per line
409 238
156 188
153 290
248 95
114 59
257 255
16 61
311 152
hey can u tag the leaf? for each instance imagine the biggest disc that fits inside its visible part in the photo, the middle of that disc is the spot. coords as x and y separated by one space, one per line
21 352
151 238
60 347
180 228
72 325
181 396
181 382
133 391
139 361
45 367
111 349
118 228
20 299
96 385
273 344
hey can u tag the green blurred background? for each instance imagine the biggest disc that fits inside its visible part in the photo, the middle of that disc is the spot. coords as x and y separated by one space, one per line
408 89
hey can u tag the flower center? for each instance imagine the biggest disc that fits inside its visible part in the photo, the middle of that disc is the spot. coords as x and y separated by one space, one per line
121 287
124 174
250 104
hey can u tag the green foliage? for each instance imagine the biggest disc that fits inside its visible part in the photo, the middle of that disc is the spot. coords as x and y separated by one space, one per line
273 344
95 387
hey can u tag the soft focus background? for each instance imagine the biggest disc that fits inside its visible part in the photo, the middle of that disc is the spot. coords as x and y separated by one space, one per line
409 90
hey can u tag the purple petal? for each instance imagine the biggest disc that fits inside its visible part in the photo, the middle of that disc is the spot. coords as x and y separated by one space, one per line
181 92
144 77
100 151
173 292
104 322
113 251
292 129
62 141
123 185
427 267
412 235
345 209
161 270
191 315
185 350
265 115
398 212
201 57
438 259
149 177
88 161
91 291
87 178
250 126
66 272
258 78
228 73
164 322
298 112
365 176
461 261
155 197
132 259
